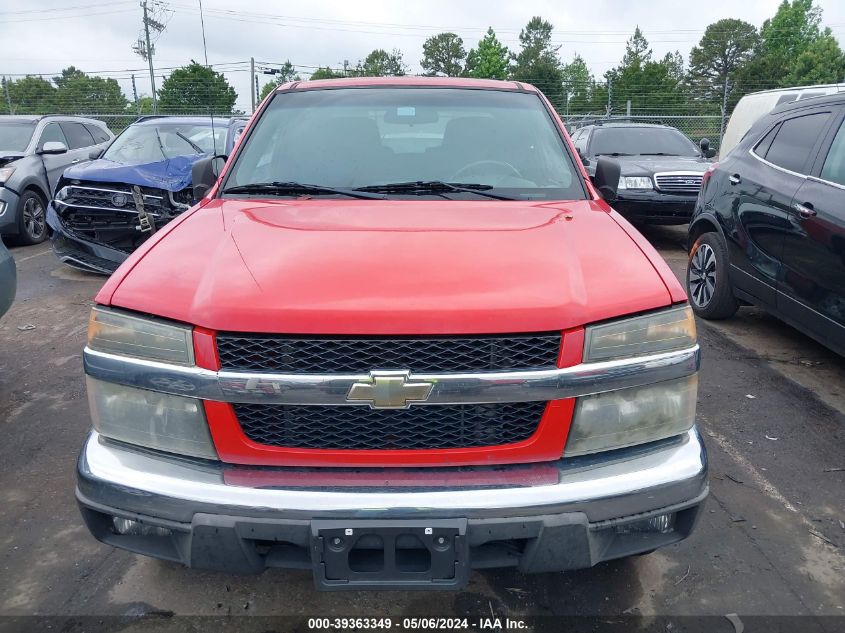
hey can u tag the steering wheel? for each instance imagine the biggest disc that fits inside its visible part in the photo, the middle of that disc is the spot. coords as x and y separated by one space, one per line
501 166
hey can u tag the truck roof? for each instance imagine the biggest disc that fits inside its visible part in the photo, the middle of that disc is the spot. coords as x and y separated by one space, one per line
408 81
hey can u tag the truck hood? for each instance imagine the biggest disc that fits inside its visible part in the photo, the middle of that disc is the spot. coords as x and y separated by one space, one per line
173 174
392 267
635 165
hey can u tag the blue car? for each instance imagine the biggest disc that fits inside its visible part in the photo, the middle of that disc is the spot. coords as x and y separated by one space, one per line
94 219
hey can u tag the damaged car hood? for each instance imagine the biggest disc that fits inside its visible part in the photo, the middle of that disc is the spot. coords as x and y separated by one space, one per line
173 174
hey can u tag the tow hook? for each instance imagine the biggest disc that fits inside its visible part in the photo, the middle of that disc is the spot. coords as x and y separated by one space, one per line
147 223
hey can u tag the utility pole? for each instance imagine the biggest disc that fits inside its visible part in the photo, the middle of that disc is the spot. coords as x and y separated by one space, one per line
345 67
135 94
150 56
144 47
609 97
253 78
255 92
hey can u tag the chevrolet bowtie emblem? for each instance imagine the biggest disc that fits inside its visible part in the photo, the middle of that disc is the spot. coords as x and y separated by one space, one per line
390 390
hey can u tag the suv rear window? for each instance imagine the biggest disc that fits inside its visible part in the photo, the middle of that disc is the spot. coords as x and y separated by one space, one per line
77 135
97 132
794 141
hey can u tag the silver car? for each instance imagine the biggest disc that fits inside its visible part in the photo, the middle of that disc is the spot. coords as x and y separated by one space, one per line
8 279
34 152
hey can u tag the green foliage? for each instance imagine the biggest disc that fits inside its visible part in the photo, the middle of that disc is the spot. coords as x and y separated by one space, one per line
144 105
443 54
79 93
283 75
578 86
196 89
537 62
490 60
726 47
326 73
822 62
29 95
380 63
649 85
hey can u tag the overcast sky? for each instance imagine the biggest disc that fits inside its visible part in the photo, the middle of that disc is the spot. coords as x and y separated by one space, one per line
44 36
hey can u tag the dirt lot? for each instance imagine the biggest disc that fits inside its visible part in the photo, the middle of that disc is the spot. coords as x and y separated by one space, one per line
770 542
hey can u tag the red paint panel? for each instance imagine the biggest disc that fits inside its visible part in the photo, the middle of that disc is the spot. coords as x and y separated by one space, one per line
393 267
205 349
529 475
572 349
236 448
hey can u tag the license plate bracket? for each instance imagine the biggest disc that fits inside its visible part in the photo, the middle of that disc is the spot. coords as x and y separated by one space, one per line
389 554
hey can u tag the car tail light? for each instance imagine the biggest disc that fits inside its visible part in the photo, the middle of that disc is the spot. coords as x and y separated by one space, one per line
708 173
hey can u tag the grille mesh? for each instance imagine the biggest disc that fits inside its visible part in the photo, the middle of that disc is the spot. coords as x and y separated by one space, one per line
359 428
679 183
360 355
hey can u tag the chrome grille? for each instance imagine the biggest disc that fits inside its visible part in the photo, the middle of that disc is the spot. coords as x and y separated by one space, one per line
362 428
678 182
325 355
96 196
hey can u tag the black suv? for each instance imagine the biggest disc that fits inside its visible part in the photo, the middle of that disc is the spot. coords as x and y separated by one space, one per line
769 225
661 168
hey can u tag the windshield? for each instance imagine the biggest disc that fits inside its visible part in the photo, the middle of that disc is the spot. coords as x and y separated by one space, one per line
641 140
367 137
147 143
15 135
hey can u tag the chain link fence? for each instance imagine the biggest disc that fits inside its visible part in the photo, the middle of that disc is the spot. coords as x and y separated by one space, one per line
695 127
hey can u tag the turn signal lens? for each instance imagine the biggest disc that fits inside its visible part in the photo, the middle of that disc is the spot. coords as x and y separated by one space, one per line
648 334
120 333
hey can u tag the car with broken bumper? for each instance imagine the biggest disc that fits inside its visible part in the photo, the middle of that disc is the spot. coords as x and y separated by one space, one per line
400 337
105 209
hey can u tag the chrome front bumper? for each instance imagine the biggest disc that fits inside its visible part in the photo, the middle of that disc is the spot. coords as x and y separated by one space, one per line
606 486
568 514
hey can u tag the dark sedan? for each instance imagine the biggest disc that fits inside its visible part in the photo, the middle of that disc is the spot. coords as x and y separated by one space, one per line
661 168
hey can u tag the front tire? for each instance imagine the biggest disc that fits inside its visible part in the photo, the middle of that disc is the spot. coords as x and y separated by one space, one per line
708 283
32 220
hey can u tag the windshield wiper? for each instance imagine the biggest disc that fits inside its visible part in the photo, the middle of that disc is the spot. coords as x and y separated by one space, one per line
199 149
658 154
293 188
613 154
434 186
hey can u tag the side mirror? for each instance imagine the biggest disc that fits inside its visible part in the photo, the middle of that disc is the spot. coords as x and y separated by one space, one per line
710 153
704 144
606 179
204 174
53 147
95 154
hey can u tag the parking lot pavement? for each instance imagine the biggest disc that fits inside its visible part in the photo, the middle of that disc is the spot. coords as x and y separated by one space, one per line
770 541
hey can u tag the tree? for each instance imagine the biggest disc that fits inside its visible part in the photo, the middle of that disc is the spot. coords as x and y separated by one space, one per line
649 85
196 89
490 60
537 62
380 63
578 85
29 95
326 73
83 94
284 74
637 51
443 54
724 49
822 62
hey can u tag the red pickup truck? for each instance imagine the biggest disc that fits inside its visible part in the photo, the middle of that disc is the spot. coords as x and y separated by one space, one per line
402 336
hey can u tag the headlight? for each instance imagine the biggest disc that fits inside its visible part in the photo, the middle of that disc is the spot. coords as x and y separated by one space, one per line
635 182
648 334
6 173
627 417
62 193
174 424
116 332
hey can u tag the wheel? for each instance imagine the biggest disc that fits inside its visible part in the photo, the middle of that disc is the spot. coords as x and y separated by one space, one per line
708 284
32 220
